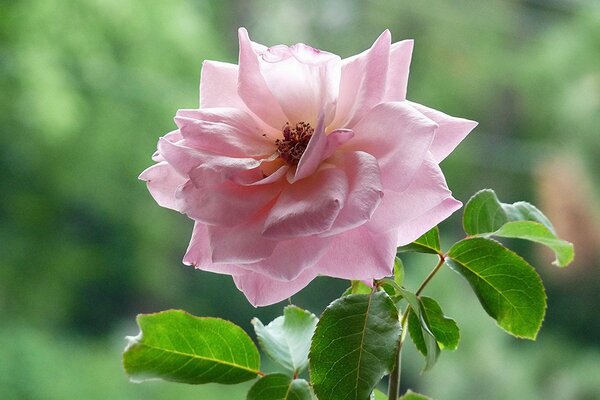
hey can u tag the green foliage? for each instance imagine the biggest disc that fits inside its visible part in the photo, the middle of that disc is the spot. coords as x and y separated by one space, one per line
353 346
429 242
287 339
176 346
410 395
485 215
378 395
444 329
508 288
280 387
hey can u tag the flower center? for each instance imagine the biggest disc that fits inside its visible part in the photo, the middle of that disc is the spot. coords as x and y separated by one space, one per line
294 142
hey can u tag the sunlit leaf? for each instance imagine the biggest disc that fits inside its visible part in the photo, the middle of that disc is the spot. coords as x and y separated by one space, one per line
444 329
176 346
280 387
429 242
287 338
508 288
354 346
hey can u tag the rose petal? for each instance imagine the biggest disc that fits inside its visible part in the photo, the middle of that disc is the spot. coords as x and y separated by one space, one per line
397 79
398 136
427 190
218 85
409 231
226 131
227 203
364 191
199 254
162 181
307 207
252 87
359 254
362 82
451 131
261 290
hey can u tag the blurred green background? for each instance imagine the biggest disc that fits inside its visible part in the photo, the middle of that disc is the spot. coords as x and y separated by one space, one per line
88 86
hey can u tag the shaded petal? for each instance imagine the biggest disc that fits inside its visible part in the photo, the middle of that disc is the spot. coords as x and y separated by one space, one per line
218 85
261 290
308 206
240 244
335 139
362 82
397 80
398 136
226 131
427 190
227 203
199 254
364 192
359 254
162 181
252 87
313 154
451 131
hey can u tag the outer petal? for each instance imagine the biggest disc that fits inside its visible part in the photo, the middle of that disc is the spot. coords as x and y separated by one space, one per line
363 82
252 87
199 253
162 181
397 82
308 207
359 254
398 136
427 190
364 192
291 257
408 231
240 244
218 85
450 133
263 291
227 203
227 131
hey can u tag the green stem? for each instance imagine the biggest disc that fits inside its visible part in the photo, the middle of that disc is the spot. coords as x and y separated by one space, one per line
394 383
431 274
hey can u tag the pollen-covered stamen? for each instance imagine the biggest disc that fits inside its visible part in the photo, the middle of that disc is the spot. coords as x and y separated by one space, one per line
294 142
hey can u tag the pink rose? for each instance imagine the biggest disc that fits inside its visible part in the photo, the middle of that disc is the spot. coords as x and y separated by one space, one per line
299 164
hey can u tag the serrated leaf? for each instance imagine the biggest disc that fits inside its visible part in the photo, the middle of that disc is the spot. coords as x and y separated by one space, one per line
429 242
444 329
354 346
485 215
287 338
508 288
398 271
538 233
280 387
176 346
410 395
420 330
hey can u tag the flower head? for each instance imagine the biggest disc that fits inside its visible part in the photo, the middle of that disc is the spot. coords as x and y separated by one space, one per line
299 164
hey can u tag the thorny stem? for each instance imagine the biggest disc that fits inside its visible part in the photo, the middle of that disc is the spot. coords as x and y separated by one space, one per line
394 383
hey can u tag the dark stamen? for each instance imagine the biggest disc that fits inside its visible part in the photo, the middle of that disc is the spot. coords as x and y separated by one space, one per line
294 142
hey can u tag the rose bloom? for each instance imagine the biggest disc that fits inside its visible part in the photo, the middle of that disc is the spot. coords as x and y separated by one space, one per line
299 164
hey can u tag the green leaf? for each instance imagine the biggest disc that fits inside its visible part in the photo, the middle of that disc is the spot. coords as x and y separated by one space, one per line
398 271
287 339
428 243
176 346
444 330
485 215
538 233
410 395
508 287
378 395
280 387
354 346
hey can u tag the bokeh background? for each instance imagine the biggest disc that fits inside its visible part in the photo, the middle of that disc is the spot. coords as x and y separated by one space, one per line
88 86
